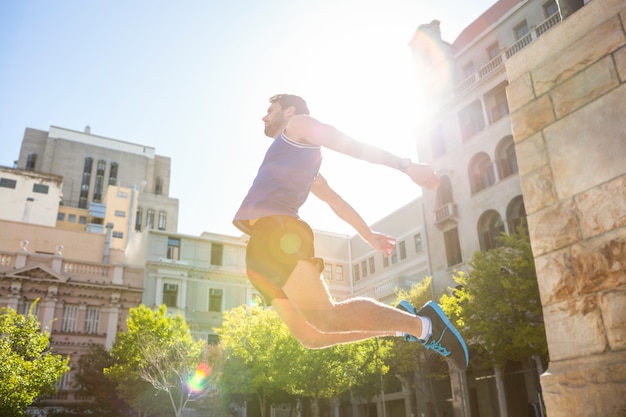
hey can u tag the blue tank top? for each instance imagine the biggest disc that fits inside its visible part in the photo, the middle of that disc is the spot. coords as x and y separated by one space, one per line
283 182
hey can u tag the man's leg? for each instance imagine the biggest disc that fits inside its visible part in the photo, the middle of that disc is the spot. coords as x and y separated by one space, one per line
308 296
309 336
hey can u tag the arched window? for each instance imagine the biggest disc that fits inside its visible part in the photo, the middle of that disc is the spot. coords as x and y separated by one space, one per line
490 227
444 191
506 158
516 214
481 173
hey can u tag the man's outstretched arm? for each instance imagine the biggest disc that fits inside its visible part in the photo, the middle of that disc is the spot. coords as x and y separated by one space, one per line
346 212
305 129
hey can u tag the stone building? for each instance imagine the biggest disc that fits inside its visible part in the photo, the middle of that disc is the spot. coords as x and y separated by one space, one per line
567 96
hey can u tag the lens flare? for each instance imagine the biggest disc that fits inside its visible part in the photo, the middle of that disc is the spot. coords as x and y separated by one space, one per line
198 381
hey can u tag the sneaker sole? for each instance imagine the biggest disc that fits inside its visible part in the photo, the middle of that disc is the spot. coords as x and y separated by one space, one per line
449 325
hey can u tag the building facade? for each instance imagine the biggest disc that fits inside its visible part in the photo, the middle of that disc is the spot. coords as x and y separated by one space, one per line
567 97
89 164
470 143
79 298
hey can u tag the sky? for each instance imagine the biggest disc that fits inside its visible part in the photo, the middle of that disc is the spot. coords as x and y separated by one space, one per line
192 79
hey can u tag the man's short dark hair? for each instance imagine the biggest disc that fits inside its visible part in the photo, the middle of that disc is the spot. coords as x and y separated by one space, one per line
289 100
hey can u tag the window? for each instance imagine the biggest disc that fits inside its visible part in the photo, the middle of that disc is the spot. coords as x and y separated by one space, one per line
217 254
64 381
402 247
215 300
138 219
372 265
516 215
162 220
122 194
28 304
92 320
521 30
99 185
328 272
357 272
507 160
453 247
71 218
170 295
82 219
550 8
40 188
113 174
118 235
497 103
444 191
490 227
493 50
61 217
481 173
418 242
173 248
150 219
471 120
68 324
213 339
363 269
31 161
158 186
84 188
8 183
338 272
385 261
394 256
120 213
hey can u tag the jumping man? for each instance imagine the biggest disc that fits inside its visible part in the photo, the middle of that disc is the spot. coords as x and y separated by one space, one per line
280 258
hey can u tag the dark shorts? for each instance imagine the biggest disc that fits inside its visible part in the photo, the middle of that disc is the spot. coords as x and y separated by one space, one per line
276 245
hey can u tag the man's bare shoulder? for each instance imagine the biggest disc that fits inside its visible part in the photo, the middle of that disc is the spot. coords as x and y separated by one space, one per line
306 129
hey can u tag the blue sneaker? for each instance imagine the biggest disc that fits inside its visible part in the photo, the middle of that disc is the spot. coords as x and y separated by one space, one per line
444 338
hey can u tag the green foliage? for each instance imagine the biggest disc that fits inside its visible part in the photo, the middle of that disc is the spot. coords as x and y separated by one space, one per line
155 356
262 358
497 305
28 368
258 350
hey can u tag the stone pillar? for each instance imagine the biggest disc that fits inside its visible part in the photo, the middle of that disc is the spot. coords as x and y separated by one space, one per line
567 95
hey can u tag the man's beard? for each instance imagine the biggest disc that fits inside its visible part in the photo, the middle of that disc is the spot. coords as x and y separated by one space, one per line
272 129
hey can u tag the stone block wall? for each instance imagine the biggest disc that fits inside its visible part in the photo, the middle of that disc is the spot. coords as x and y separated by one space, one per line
567 96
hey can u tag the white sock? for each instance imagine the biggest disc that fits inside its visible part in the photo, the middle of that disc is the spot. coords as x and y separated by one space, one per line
426 327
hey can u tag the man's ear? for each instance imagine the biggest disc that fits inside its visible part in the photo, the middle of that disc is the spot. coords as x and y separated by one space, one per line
290 111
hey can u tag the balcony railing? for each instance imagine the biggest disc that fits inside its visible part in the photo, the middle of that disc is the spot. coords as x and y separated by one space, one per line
497 63
445 213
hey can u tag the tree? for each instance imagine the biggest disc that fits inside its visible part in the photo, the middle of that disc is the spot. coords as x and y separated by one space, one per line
160 351
258 351
28 368
91 382
497 308
497 304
